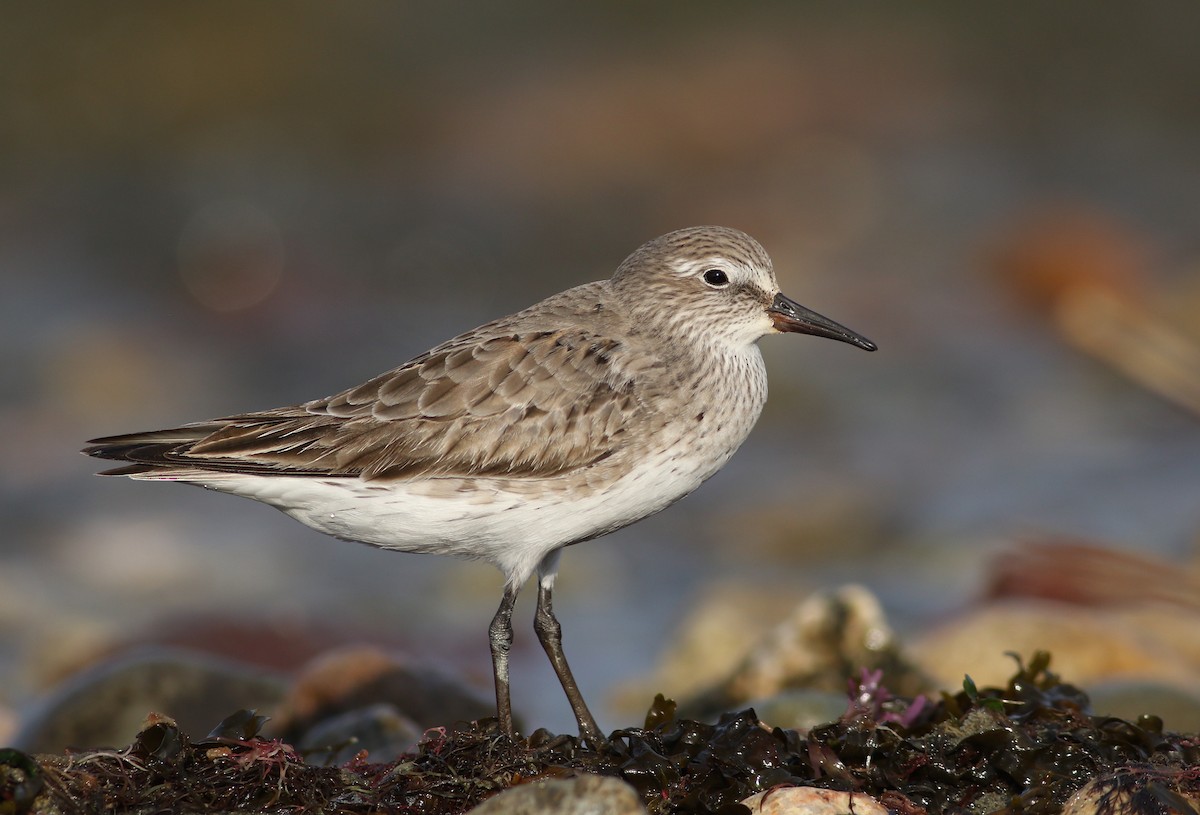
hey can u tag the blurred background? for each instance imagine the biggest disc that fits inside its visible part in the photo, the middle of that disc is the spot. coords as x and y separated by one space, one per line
211 208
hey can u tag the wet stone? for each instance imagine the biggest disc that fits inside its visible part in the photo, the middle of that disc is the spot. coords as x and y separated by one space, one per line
106 704
812 801
1137 790
357 677
582 795
380 730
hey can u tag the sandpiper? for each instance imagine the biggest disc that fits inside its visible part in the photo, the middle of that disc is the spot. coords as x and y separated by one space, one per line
578 416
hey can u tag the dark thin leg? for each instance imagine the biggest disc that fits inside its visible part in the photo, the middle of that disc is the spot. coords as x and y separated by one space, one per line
500 634
549 633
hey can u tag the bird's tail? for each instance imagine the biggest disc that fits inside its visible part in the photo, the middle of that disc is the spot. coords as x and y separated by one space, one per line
153 454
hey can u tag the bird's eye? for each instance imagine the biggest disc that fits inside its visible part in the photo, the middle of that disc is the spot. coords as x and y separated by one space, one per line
716 278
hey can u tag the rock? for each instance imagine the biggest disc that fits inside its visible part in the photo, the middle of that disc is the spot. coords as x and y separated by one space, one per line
106 704
1056 253
800 709
1142 789
354 677
1088 644
581 795
812 801
827 639
1120 624
1090 573
382 731
715 636
1179 708
8 724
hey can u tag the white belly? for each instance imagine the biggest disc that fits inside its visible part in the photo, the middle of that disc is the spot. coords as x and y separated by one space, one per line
511 523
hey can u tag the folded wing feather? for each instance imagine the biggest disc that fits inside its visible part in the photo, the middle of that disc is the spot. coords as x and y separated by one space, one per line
536 404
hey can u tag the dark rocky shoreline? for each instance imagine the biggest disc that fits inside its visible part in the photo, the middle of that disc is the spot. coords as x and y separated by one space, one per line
1027 747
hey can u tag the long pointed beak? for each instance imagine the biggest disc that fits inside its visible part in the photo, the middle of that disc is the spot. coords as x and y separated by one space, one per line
790 316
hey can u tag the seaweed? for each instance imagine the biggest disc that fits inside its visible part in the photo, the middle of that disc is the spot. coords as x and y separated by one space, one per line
1022 748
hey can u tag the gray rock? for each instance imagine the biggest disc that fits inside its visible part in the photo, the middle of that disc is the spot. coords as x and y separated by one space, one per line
1131 698
581 795
800 709
105 705
383 731
353 677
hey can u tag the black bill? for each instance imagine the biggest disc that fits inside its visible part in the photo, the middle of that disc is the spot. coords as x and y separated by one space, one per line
790 316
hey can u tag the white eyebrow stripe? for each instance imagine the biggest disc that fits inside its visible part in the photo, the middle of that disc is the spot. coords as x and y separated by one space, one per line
689 266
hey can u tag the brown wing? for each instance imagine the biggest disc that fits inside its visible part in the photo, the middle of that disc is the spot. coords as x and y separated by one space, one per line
533 404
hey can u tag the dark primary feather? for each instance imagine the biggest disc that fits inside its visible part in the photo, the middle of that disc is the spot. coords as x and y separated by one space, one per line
523 404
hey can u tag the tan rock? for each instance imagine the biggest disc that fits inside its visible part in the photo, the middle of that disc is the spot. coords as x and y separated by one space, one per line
812 801
825 639
583 795
1135 790
1088 645
715 636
